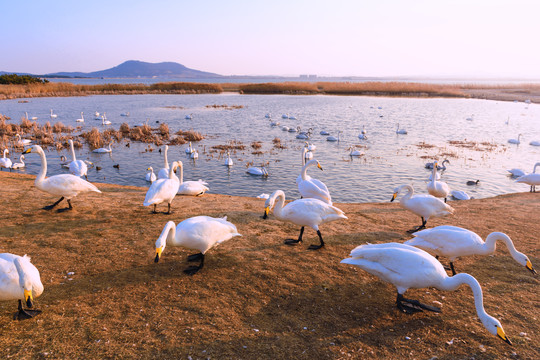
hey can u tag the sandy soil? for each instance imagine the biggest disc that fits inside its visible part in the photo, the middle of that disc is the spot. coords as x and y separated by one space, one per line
256 298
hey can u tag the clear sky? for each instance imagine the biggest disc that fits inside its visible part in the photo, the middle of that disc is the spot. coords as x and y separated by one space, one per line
457 38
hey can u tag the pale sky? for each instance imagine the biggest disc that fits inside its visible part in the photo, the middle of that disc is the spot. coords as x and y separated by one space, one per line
456 38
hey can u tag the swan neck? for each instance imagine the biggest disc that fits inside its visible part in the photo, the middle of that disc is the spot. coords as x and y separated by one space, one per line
409 194
452 283
280 198
304 170
72 151
304 151
535 165
43 170
434 173
491 244
166 165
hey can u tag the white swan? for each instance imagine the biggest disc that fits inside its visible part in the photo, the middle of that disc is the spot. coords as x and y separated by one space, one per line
77 167
125 114
104 121
163 190
515 172
194 155
437 188
189 149
453 242
81 119
65 185
258 171
188 117
362 136
311 147
53 116
333 138
441 166
20 280
303 212
32 118
197 233
307 177
423 205
535 143
20 164
163 173
22 142
191 188
313 188
5 162
355 152
460 195
150 177
515 141
531 179
285 128
228 160
103 150
308 155
324 132
400 131
407 267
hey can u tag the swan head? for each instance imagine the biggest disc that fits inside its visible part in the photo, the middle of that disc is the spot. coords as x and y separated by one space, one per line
166 235
270 202
494 326
22 265
398 190
150 169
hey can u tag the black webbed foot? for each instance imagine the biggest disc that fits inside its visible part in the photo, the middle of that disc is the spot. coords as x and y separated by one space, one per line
315 247
192 270
194 257
292 241
409 306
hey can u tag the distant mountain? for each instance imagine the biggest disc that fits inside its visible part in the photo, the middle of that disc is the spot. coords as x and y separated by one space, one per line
134 69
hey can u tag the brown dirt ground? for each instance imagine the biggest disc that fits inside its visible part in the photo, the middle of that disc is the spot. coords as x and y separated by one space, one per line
256 298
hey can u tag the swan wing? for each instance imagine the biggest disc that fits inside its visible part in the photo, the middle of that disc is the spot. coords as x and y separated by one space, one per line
449 241
311 212
531 179
427 206
78 168
66 185
203 232
316 189
163 173
192 188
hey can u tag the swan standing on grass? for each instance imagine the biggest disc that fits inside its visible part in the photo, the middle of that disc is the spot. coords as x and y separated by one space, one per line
163 190
423 205
65 185
400 131
77 167
437 188
313 188
81 119
191 188
407 267
228 160
515 141
453 242
303 212
20 164
197 233
103 150
163 173
5 162
19 280
531 179
150 177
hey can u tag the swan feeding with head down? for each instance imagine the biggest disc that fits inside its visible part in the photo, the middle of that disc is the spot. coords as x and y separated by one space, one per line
408 267
302 212
65 185
453 242
198 233
20 280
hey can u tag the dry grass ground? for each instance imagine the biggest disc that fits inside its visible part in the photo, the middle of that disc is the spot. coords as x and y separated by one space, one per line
256 298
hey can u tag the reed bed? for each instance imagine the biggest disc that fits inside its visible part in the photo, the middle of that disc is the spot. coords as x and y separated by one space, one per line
190 135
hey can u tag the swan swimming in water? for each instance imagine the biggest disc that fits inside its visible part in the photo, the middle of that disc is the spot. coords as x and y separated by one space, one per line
22 142
400 131
197 233
437 188
423 205
103 150
5 162
407 267
228 160
163 173
163 190
515 141
453 242
20 280
53 115
259 171
20 164
191 188
65 185
77 167
81 119
303 212
311 188
150 177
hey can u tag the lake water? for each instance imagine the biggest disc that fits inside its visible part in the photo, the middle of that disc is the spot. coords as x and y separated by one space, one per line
390 159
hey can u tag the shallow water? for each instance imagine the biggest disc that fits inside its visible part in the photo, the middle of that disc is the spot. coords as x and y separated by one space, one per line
390 159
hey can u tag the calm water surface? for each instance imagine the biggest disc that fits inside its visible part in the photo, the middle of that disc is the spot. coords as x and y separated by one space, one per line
390 159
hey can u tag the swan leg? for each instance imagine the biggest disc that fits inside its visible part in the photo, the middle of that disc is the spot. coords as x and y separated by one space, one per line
192 270
50 207
423 226
194 257
317 247
154 211
23 314
409 306
452 268
294 241
68 208
445 200
86 176
168 208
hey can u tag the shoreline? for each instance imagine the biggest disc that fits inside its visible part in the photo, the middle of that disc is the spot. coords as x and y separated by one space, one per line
497 92
255 297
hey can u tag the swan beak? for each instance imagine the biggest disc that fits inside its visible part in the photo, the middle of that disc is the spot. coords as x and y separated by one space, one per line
148 169
502 335
266 210
27 151
158 254
530 267
393 197
319 166
28 297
